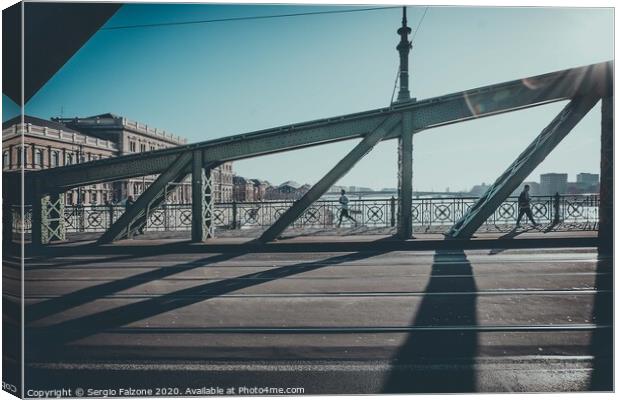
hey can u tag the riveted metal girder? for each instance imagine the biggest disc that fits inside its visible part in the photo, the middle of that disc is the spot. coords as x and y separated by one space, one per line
606 208
430 113
337 172
140 222
404 225
533 155
202 199
136 215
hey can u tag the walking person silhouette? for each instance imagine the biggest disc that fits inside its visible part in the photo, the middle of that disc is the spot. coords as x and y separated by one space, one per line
344 208
524 206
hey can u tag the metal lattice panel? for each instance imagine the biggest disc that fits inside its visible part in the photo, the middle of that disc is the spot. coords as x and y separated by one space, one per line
208 204
52 218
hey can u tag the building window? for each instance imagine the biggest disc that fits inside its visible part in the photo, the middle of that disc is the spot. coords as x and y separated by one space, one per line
93 197
38 157
5 159
132 147
55 159
69 159
142 147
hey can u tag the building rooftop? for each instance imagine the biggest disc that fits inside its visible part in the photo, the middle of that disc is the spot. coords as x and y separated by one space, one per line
292 184
110 119
28 119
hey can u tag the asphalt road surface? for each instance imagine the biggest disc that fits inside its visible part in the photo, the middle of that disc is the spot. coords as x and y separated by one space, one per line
353 322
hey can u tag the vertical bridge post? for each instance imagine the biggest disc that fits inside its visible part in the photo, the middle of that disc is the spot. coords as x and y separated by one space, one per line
405 175
48 219
202 199
606 212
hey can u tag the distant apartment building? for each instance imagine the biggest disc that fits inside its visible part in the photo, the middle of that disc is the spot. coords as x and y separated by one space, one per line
243 189
588 179
586 183
247 190
260 189
553 183
289 190
66 141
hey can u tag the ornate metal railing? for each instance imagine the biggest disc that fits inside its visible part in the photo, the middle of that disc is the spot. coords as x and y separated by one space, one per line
570 212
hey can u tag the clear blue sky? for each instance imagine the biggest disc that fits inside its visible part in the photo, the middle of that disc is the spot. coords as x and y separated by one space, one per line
213 80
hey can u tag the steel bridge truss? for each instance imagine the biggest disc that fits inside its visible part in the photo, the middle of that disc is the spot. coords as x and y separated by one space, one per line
524 165
583 86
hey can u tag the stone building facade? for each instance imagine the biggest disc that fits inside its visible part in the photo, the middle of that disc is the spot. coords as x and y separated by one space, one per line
64 141
135 137
47 144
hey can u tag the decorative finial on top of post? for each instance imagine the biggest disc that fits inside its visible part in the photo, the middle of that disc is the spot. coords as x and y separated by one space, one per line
404 46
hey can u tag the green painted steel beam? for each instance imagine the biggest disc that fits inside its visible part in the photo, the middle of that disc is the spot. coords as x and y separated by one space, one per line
404 225
337 172
429 113
606 207
127 222
529 159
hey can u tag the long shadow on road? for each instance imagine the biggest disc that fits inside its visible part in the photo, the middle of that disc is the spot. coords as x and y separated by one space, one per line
56 305
50 342
444 357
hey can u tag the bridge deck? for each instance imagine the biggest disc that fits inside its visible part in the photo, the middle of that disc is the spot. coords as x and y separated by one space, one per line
373 320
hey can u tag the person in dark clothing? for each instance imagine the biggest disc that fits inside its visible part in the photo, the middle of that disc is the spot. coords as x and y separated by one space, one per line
129 202
344 210
524 206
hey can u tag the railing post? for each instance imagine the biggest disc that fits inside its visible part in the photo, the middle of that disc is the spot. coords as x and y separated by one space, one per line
110 215
393 211
82 216
198 234
556 209
166 214
36 231
234 215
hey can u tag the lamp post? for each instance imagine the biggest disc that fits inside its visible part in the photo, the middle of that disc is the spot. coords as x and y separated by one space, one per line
404 46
